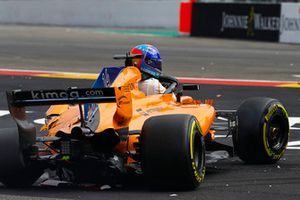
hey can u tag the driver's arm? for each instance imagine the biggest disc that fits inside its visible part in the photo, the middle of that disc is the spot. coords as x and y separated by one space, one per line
151 86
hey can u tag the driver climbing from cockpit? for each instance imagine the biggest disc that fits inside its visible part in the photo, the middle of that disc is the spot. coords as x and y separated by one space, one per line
150 68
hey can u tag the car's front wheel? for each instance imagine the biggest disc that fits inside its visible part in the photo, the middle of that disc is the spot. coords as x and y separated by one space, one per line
263 130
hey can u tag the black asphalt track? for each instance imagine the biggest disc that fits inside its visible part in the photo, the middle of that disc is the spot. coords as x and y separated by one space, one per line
228 178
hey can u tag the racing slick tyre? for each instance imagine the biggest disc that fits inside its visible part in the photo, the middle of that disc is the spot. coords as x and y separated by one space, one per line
173 152
15 171
263 131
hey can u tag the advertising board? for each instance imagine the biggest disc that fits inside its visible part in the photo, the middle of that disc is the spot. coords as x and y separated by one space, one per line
234 20
290 23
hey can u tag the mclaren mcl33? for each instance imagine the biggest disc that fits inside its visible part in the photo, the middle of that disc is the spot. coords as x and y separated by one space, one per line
98 134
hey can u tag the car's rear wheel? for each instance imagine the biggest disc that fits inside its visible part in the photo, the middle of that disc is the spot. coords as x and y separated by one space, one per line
173 151
263 130
25 177
15 168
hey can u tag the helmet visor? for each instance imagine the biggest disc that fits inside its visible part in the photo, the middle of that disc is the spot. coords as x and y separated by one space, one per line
154 63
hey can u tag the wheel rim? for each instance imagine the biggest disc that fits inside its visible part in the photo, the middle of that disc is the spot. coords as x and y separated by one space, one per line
276 135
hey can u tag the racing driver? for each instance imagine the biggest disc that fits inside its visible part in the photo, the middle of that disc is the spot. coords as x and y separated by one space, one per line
150 68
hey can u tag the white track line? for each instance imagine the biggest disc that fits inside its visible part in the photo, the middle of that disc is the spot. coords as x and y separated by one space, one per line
295 148
3 112
296 75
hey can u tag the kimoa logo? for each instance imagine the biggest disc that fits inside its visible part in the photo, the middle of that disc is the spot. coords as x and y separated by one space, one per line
64 94
54 95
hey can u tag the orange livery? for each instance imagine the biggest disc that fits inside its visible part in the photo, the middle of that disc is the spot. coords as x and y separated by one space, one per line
98 134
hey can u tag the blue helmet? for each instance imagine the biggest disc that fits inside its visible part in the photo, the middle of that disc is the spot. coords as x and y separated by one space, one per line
150 63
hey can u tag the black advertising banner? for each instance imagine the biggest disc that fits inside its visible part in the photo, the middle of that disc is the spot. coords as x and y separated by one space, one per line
230 20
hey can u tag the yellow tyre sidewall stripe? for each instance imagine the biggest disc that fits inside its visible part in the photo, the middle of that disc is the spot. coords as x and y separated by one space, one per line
198 177
267 117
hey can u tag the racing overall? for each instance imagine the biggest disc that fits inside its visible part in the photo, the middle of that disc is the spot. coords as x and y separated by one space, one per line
151 86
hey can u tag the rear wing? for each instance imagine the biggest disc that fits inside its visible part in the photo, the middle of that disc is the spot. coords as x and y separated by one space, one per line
18 100
21 98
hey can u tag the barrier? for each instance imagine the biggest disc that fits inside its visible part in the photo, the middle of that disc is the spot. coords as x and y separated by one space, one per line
106 13
290 23
232 20
185 13
267 22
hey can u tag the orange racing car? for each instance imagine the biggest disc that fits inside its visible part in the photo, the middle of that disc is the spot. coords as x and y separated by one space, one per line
98 134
